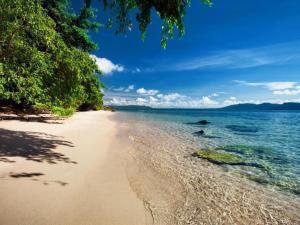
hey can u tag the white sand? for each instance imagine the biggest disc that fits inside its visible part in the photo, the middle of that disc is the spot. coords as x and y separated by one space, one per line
74 176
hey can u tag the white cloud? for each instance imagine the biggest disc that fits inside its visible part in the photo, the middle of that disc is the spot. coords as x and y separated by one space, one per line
106 66
129 88
277 88
205 100
172 97
125 101
156 99
280 85
217 94
153 99
118 101
143 91
118 89
231 101
269 85
141 100
287 92
124 89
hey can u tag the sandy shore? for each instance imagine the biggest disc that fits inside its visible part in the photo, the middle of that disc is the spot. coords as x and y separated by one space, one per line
70 172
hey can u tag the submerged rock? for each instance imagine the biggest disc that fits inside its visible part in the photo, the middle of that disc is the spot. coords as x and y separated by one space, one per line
226 158
203 122
200 132
220 157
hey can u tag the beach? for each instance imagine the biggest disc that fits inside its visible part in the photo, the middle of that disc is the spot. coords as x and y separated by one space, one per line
116 169
68 171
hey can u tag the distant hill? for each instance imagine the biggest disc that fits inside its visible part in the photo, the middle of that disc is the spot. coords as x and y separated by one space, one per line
263 106
131 107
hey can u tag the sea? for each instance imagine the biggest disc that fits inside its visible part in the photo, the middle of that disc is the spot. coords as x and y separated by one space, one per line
269 141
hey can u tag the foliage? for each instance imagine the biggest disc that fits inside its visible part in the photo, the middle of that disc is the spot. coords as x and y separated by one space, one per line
63 112
44 49
73 28
39 67
171 12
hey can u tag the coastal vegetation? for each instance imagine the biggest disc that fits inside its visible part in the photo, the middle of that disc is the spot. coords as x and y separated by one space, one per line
45 62
45 47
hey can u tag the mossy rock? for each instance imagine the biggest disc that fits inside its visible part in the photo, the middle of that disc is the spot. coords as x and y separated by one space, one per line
220 157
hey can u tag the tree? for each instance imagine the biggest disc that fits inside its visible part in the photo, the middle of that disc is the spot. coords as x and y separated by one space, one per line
73 28
38 67
171 12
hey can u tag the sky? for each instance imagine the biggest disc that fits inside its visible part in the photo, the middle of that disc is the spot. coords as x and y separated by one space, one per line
232 52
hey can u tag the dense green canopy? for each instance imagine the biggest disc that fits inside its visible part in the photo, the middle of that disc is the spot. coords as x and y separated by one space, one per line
44 49
44 62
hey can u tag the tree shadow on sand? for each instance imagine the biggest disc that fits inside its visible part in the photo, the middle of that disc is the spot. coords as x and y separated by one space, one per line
32 118
33 146
33 177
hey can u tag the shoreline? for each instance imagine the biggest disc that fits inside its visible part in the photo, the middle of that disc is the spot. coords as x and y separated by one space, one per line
195 191
71 172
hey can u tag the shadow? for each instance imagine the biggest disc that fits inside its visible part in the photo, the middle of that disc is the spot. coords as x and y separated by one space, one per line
33 146
32 118
6 160
21 175
47 182
34 175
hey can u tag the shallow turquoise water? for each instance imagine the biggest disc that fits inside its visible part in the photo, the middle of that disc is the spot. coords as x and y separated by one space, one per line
270 139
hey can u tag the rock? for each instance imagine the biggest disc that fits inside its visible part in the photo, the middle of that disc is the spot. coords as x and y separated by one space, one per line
200 132
220 157
203 122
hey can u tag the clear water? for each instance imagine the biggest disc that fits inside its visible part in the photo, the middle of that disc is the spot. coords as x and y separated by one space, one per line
271 138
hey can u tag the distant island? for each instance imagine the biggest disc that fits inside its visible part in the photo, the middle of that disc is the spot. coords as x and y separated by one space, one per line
263 106
237 107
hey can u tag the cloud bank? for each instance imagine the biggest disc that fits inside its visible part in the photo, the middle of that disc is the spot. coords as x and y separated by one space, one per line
277 88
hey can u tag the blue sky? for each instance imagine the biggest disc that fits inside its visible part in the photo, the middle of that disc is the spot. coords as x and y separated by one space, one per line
233 52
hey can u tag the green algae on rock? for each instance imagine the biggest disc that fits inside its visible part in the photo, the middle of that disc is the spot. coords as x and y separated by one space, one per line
220 157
